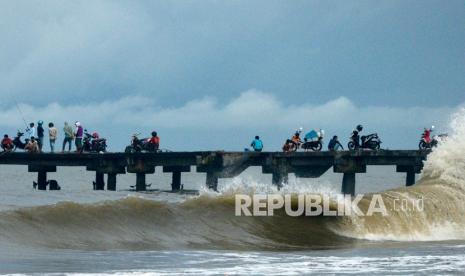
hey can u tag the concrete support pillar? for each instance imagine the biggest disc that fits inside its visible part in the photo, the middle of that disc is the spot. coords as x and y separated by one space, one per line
42 180
410 179
101 167
140 182
176 171
279 178
111 182
140 167
411 171
212 181
99 183
348 184
176 184
42 171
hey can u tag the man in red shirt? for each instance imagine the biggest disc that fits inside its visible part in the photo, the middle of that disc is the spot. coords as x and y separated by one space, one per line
154 141
427 134
7 143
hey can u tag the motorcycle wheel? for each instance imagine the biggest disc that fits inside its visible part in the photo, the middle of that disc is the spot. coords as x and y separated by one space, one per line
318 147
422 145
351 145
293 148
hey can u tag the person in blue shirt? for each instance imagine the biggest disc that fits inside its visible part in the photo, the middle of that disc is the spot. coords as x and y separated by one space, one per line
334 144
257 144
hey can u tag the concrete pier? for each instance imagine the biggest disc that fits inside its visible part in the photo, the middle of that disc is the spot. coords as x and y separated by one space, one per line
212 181
41 174
140 167
140 182
99 183
220 164
176 175
348 184
111 181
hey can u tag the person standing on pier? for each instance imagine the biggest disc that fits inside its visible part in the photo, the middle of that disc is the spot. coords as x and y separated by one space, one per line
52 134
69 136
40 134
257 144
31 131
78 134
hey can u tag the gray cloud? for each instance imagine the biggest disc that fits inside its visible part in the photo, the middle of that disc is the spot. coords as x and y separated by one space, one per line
176 51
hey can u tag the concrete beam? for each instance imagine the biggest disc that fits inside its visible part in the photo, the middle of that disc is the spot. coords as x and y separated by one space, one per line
349 165
138 165
168 169
41 168
311 171
107 169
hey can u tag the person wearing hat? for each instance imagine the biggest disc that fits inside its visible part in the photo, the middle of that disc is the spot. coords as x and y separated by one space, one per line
79 133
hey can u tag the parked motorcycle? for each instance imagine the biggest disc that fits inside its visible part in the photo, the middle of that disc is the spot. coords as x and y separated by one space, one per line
93 143
313 145
371 141
140 145
18 143
313 140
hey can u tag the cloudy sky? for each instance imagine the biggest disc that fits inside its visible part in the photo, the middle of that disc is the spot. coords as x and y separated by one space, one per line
212 74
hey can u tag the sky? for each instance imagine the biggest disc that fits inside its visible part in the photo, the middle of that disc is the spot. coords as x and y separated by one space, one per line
210 75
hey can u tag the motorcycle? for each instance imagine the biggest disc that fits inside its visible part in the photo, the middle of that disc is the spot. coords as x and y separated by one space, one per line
432 142
313 140
140 145
92 143
18 144
370 141
313 145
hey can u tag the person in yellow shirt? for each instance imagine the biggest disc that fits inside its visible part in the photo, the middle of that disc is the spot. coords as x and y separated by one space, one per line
52 135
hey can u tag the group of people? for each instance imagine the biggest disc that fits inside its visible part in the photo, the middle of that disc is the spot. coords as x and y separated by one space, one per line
334 144
35 136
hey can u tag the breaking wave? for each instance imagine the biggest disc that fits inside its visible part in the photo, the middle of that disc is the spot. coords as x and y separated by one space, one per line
442 188
139 224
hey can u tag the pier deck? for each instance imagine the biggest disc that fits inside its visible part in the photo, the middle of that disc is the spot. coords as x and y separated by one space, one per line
220 164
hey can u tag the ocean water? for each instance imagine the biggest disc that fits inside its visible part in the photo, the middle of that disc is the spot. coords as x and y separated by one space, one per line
80 231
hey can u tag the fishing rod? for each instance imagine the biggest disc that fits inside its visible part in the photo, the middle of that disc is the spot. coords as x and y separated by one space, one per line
21 113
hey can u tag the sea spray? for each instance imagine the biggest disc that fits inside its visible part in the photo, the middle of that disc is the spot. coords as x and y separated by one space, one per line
442 187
